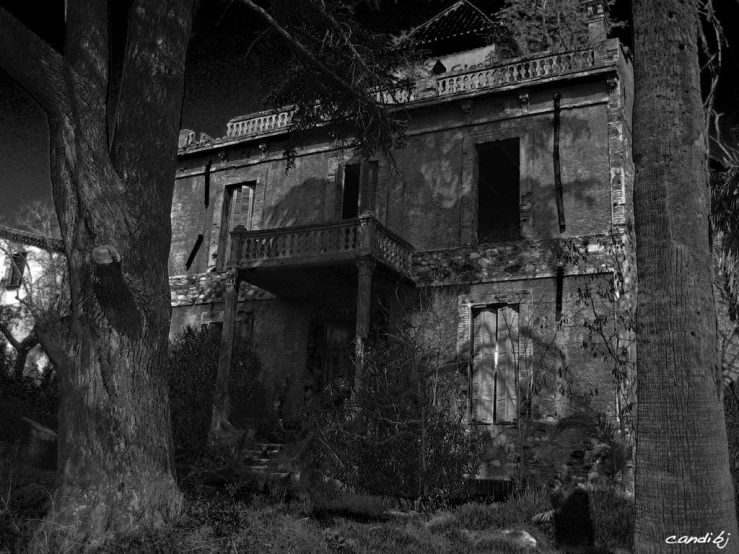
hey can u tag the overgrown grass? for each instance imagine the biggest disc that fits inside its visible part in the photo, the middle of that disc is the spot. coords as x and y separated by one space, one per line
242 518
519 508
239 521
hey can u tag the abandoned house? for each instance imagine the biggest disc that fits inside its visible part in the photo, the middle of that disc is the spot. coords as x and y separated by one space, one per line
517 176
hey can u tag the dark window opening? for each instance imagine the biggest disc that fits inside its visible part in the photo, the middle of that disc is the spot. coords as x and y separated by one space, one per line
194 252
17 269
350 201
498 191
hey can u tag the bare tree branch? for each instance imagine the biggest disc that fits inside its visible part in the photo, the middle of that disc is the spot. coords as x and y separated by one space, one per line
307 57
5 330
35 65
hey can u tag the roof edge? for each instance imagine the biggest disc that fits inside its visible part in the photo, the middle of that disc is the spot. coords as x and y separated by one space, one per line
31 239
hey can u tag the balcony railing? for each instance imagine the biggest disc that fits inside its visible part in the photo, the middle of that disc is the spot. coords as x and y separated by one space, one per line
322 244
519 71
258 124
493 76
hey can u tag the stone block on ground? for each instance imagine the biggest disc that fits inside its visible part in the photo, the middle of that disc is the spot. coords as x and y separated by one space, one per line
497 537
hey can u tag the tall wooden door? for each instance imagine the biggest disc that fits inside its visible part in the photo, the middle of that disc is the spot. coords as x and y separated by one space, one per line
494 364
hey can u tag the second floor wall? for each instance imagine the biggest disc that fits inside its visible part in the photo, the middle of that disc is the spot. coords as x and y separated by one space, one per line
477 169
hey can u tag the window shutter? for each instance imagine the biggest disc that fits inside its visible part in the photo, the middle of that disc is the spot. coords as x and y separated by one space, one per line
364 187
339 199
242 206
368 190
483 364
505 375
17 269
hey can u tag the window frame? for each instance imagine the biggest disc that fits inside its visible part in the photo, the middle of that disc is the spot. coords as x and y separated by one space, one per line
369 170
523 354
227 213
17 269
470 171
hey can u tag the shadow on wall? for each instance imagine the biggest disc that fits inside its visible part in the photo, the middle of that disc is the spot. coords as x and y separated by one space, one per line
299 203
425 209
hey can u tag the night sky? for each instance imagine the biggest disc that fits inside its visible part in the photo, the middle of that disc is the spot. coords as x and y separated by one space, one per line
222 82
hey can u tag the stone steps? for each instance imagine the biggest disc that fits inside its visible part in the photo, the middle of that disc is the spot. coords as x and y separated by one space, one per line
259 462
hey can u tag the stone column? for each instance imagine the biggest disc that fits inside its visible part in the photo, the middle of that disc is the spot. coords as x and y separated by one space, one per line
225 352
364 294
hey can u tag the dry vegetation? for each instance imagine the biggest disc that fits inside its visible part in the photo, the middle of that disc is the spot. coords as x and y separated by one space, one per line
240 517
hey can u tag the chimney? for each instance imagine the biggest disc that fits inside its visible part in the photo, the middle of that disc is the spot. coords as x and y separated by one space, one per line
597 20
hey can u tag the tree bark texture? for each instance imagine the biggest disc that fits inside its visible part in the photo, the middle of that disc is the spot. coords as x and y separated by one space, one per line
683 484
113 197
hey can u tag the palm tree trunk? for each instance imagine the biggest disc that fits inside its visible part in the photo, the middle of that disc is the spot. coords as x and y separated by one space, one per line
683 484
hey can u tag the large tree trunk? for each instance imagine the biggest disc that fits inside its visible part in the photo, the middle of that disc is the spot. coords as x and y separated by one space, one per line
683 484
113 198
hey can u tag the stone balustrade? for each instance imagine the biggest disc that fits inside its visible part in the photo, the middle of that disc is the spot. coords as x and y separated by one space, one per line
522 70
258 124
321 244
519 71
399 96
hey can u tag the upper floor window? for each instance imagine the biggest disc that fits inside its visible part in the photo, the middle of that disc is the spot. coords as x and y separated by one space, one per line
350 199
16 270
238 209
241 209
358 189
498 191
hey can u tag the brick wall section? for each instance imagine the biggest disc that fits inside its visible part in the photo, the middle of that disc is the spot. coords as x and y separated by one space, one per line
512 260
208 288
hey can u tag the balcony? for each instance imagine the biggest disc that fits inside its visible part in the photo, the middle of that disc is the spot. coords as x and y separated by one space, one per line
319 261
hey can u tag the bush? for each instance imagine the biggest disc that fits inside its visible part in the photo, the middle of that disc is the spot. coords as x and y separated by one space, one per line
613 518
28 397
401 435
193 364
731 413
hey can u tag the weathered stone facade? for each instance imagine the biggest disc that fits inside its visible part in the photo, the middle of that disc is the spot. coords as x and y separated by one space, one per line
301 251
